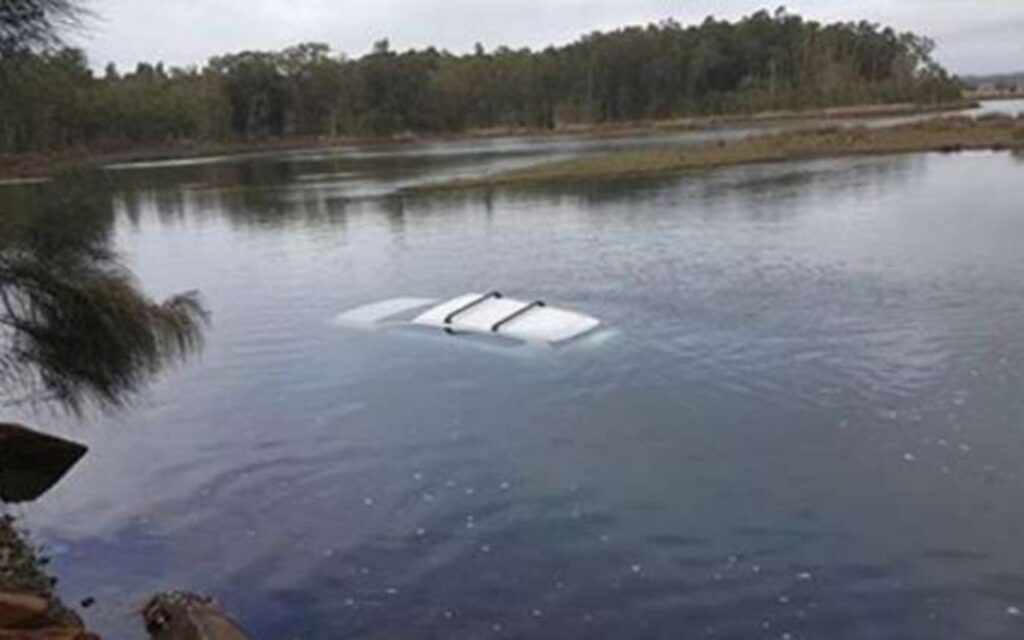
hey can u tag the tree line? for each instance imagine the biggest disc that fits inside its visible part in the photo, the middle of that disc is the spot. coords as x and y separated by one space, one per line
50 99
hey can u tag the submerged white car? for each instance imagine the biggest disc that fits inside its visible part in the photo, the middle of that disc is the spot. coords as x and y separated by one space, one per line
476 314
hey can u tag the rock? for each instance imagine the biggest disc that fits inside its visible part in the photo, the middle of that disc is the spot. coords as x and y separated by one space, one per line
179 615
32 462
17 609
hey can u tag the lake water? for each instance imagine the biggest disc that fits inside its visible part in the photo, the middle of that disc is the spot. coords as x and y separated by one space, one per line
805 421
1005 107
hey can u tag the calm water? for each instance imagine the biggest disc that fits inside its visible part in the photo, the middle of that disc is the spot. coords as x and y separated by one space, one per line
808 422
1006 107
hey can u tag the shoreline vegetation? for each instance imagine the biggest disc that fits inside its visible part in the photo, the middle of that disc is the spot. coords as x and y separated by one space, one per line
41 164
54 104
943 134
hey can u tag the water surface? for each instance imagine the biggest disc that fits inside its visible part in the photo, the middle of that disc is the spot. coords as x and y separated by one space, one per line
808 422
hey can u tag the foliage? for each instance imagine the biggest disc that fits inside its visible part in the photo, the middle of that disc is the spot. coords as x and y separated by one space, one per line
73 326
766 61
27 25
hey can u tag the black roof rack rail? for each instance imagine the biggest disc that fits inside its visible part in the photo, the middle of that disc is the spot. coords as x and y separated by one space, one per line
515 314
469 305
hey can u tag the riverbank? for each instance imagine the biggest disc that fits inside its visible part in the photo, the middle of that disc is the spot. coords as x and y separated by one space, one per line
28 604
948 134
30 610
41 164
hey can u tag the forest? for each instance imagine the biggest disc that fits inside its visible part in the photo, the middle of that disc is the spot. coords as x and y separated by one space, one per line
50 99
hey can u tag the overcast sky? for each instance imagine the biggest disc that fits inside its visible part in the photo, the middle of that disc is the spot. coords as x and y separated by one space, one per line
974 36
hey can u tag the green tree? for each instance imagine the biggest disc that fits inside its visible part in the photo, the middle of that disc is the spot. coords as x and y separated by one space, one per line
256 90
765 61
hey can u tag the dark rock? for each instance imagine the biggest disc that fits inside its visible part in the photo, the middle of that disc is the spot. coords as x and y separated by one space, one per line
179 615
32 462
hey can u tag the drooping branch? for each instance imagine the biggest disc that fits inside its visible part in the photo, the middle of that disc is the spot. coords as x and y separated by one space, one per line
27 25
74 326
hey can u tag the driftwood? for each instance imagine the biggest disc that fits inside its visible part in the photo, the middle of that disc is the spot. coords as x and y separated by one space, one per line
32 462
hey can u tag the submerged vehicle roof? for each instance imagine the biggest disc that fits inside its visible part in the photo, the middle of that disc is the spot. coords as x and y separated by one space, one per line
477 314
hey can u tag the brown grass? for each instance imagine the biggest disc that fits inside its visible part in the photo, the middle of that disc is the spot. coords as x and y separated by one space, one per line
951 134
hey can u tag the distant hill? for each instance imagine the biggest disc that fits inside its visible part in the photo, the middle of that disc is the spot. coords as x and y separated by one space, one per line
995 81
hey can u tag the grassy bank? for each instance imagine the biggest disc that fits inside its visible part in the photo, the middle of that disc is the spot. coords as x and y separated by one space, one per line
854 112
941 134
41 164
